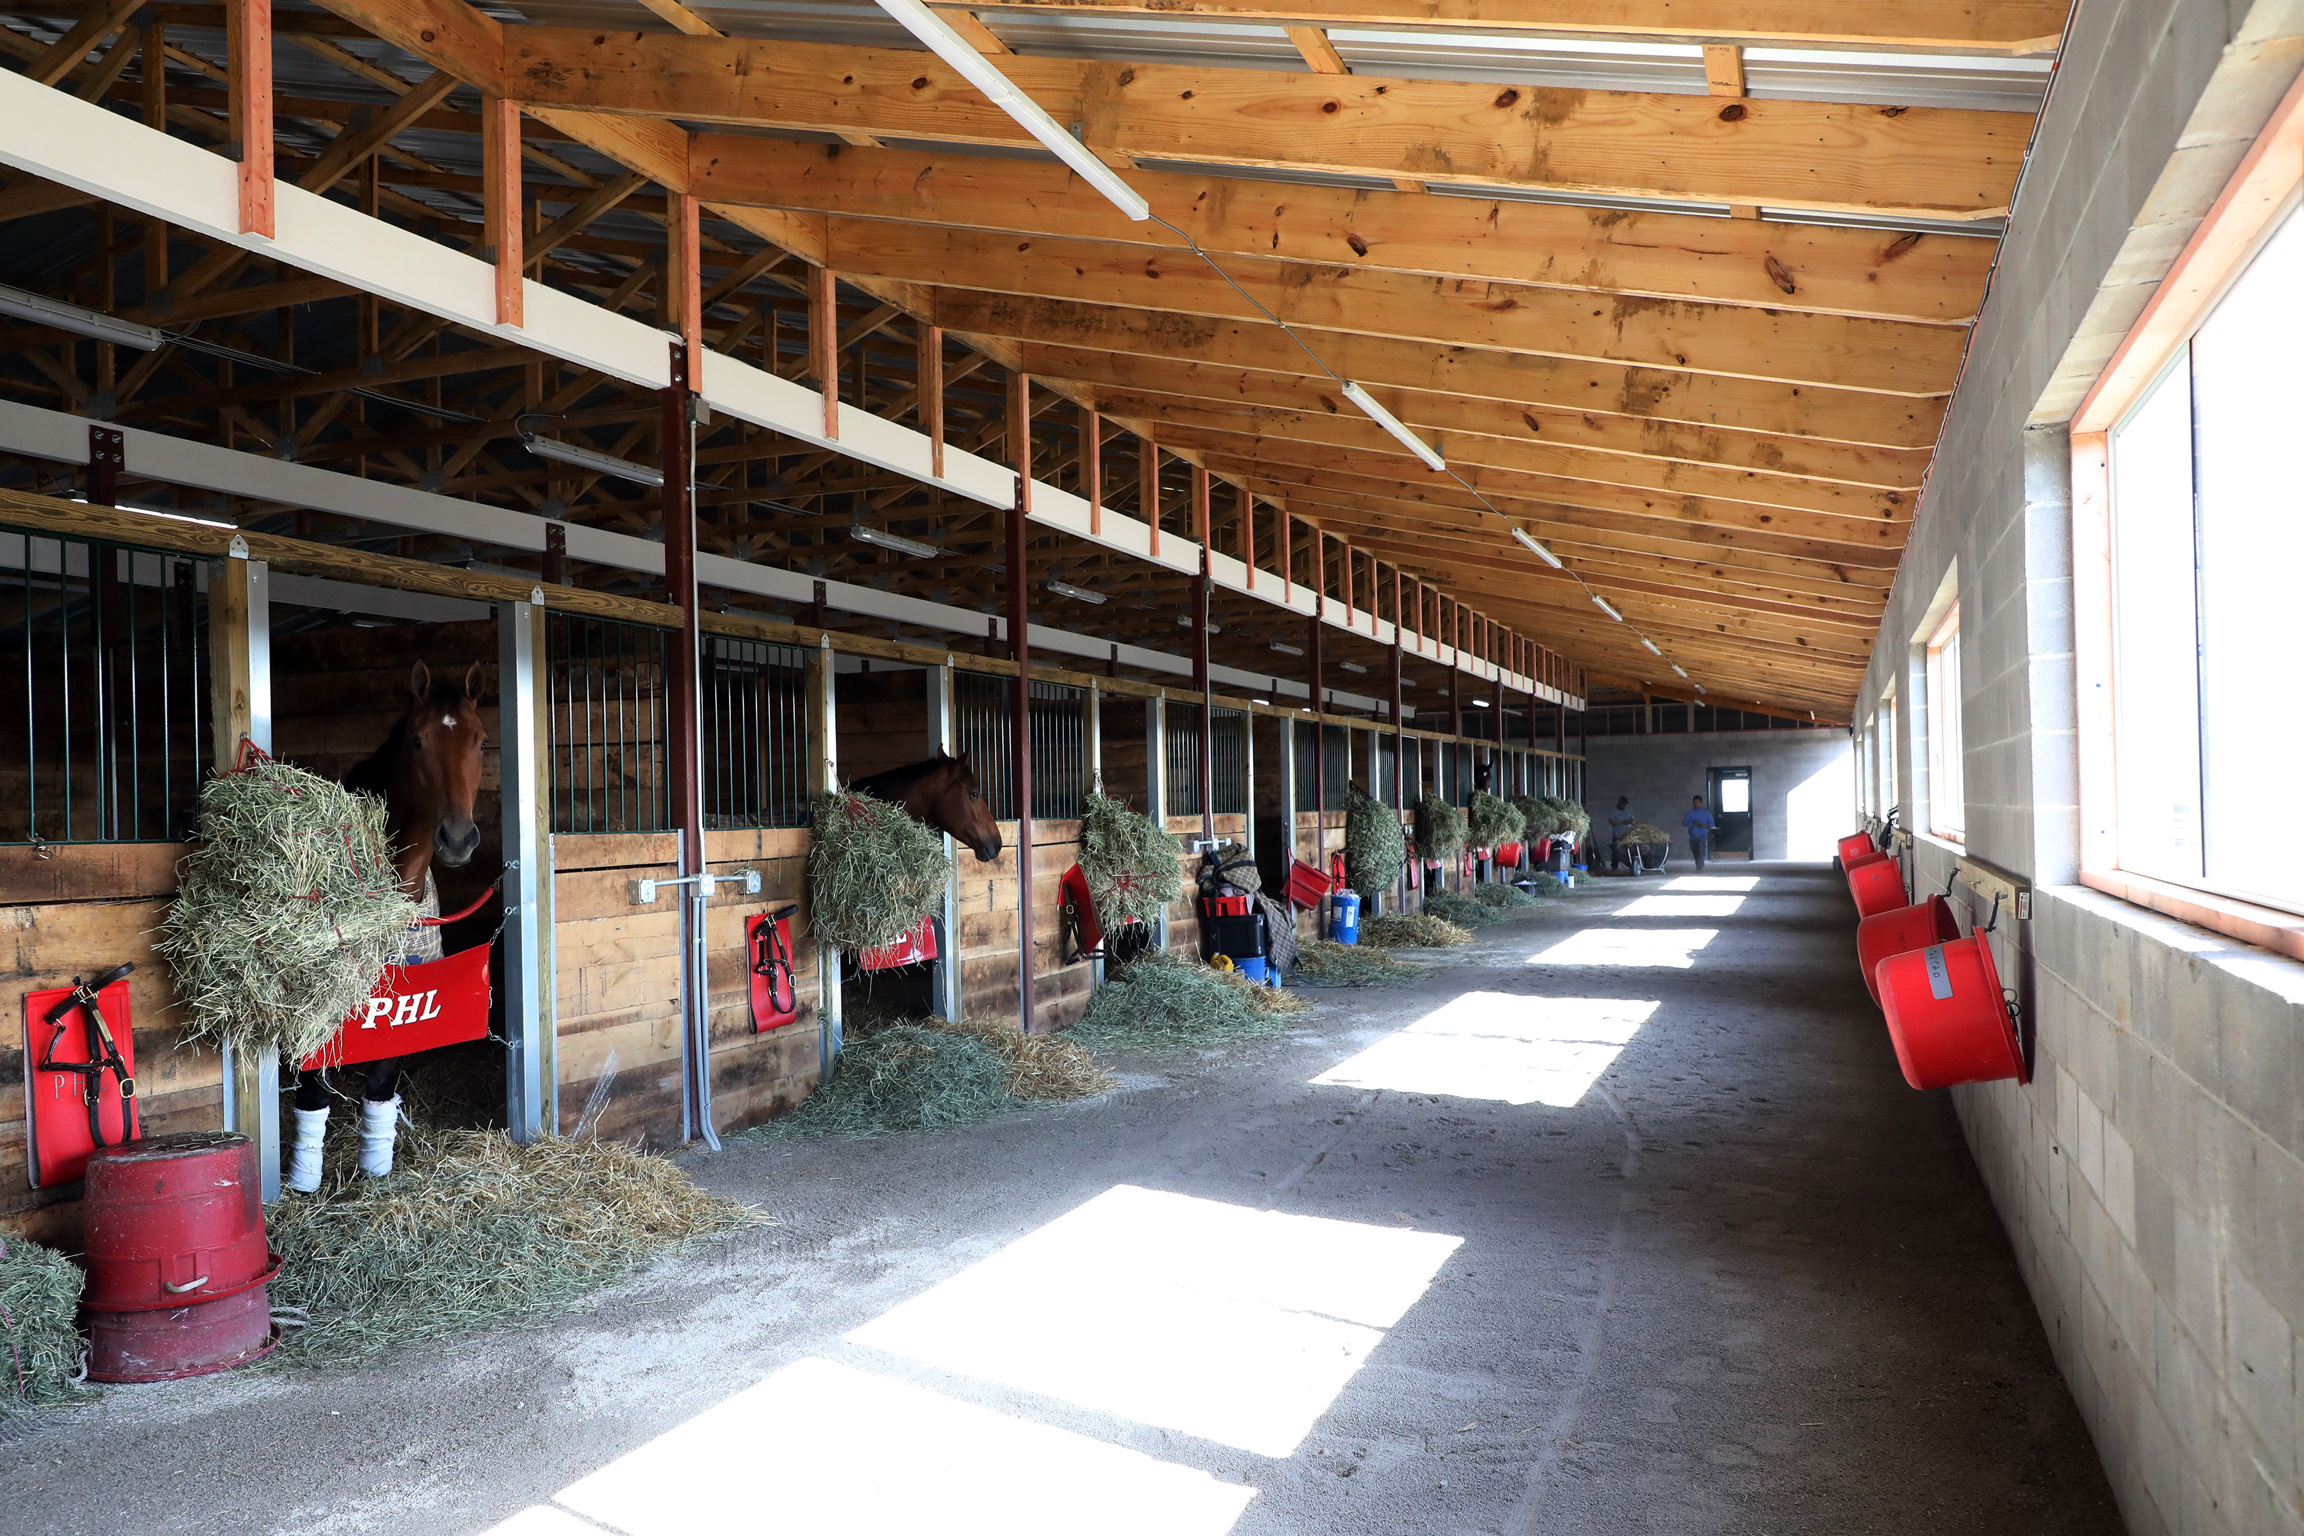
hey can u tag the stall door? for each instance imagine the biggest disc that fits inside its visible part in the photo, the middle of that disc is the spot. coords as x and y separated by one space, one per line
1731 802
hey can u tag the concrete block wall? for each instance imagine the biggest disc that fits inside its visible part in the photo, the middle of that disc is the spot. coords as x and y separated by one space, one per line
2151 1176
1802 783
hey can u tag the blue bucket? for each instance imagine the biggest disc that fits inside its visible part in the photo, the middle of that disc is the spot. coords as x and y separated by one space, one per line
1344 917
1252 968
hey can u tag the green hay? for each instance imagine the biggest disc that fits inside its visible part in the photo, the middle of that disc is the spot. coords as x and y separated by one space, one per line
1550 885
1413 930
1490 820
1043 1068
1645 835
39 1295
1131 863
873 872
1463 911
1539 817
1168 1001
1375 844
1326 963
902 1078
472 1231
1440 829
286 913
1505 897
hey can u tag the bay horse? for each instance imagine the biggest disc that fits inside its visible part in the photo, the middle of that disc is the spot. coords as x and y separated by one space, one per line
942 793
427 772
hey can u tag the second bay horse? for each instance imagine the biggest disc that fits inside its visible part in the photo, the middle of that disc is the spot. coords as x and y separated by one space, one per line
942 793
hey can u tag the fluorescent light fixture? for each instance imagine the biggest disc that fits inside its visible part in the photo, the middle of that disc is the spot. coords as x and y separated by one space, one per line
1536 548
1480 704
590 458
1601 603
883 539
1077 594
1699 687
1286 649
80 322
1644 640
1679 669
1184 621
980 72
1352 666
149 511
1394 425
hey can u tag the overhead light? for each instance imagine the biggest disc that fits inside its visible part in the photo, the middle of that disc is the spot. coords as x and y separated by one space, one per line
1263 701
1352 666
1699 687
883 539
1286 649
1077 594
1601 603
1679 669
1392 424
1184 621
1480 704
80 322
590 458
980 72
1537 549
1644 640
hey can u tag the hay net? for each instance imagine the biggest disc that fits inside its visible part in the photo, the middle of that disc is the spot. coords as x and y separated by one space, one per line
1440 829
1375 845
873 872
287 910
1538 817
1490 819
1133 865
1573 817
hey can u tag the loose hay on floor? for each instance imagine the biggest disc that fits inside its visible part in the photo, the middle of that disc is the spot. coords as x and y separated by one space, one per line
1505 897
903 1077
1413 930
1463 911
1166 1000
1044 1069
1326 963
39 1294
474 1230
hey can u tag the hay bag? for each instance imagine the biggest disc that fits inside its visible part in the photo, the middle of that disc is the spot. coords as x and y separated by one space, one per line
1165 1001
39 1295
1440 829
1130 861
873 872
1573 818
1490 819
473 1231
1375 844
1539 818
287 910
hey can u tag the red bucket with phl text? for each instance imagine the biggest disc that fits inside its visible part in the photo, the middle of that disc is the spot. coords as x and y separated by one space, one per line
1877 883
177 1261
1947 1016
1855 847
1892 933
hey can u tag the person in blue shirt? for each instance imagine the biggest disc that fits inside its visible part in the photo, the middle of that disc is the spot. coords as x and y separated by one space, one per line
1698 821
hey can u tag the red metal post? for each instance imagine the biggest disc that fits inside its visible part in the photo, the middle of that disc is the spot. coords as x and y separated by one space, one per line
1207 762
1020 726
684 717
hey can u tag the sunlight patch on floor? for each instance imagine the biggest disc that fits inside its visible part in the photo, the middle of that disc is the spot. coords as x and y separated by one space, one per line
1233 1324
1741 883
1681 906
1501 1046
1672 948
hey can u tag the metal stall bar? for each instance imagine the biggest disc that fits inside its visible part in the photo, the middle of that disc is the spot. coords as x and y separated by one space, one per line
683 685
944 985
523 730
1020 725
823 778
1206 744
1156 783
240 670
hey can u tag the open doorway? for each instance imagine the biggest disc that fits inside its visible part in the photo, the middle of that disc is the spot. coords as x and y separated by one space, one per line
1730 796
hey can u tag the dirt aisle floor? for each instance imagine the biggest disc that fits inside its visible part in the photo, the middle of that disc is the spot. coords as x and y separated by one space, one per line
1620 1221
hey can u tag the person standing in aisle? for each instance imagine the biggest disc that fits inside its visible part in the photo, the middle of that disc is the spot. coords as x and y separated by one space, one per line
1698 821
1619 821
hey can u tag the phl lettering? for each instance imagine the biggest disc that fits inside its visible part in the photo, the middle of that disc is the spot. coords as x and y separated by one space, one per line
413 1008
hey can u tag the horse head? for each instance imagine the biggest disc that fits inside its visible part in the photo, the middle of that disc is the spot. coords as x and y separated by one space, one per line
437 776
959 809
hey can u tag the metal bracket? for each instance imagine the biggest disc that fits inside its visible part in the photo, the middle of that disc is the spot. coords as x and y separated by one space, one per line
644 891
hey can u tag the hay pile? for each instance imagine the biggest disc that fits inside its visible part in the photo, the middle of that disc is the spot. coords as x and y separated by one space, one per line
1165 1000
1550 885
904 1077
1505 898
1326 963
873 872
1463 911
1043 1069
286 913
1440 829
472 1231
1490 820
1644 834
39 1294
1375 844
1130 861
1413 930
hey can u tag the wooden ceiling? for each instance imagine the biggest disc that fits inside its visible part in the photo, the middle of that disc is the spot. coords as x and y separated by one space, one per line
1698 338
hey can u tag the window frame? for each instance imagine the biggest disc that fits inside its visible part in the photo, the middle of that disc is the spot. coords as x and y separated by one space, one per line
2263 192
1947 770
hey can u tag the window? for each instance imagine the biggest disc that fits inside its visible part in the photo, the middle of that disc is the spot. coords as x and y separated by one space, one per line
2204 536
1887 745
1947 794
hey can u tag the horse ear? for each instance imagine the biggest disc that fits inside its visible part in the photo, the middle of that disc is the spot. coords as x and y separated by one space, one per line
420 681
472 681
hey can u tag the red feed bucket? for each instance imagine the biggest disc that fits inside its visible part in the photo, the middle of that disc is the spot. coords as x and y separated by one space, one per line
1892 933
1877 884
1855 847
1947 1016
177 1261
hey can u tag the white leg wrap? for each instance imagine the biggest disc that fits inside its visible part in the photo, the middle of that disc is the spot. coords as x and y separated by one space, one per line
379 1124
304 1157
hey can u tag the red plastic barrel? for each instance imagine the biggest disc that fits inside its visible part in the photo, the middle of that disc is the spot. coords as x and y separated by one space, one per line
1892 933
177 1262
1855 847
1947 1016
1877 884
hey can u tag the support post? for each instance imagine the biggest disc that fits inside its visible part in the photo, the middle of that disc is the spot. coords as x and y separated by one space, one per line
1205 765
1288 806
1156 784
946 983
523 723
1315 663
500 194
931 383
823 778
240 673
684 715
1092 467
1092 745
1148 491
248 61
824 343
1020 709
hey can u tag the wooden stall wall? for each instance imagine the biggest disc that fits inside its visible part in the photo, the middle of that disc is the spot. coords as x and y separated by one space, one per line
756 1075
616 987
1184 911
1060 992
988 931
79 912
